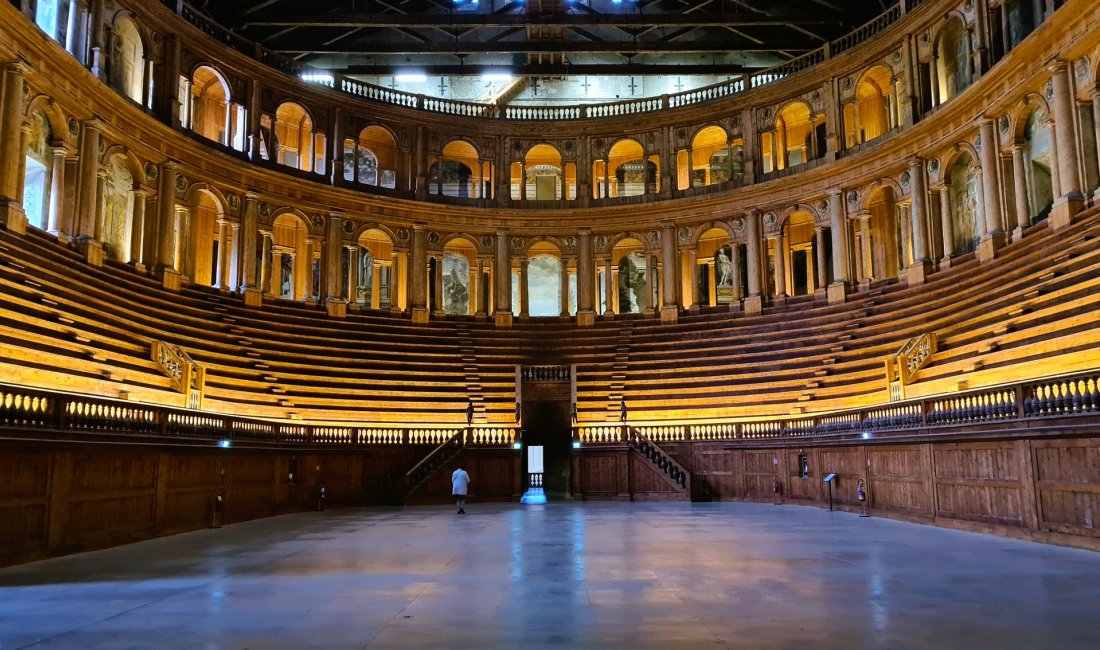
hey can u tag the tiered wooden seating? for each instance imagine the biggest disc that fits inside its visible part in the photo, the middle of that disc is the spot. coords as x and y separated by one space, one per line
64 324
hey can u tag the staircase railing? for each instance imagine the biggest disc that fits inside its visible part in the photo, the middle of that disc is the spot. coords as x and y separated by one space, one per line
659 457
431 463
903 365
187 377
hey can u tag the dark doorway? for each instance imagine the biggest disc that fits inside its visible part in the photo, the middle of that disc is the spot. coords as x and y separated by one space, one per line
800 266
547 424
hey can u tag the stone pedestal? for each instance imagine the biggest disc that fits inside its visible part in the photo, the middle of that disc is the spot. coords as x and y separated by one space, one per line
253 298
916 274
670 314
837 293
170 279
337 308
13 218
586 318
502 319
1063 211
988 247
420 315
754 305
93 252
821 294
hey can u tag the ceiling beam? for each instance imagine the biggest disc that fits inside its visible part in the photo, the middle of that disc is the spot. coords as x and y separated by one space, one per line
556 70
686 19
534 47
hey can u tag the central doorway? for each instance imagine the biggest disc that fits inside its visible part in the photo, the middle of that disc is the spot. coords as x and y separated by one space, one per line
546 425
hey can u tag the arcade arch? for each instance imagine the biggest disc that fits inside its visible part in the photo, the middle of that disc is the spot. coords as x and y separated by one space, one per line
797 138
874 110
295 143
373 270
127 61
288 271
41 201
371 158
462 174
211 111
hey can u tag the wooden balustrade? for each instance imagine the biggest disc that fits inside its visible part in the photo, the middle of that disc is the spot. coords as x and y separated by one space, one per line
187 376
903 365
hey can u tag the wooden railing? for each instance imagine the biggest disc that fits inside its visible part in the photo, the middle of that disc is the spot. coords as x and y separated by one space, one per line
903 365
1064 396
187 376
431 463
29 410
555 374
661 459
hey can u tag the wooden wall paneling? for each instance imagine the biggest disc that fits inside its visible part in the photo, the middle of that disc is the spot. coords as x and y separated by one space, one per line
24 502
712 468
648 483
193 482
850 465
1067 483
760 471
249 493
980 482
112 497
899 478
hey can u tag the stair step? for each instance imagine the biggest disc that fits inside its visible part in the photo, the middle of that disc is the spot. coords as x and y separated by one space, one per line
252 353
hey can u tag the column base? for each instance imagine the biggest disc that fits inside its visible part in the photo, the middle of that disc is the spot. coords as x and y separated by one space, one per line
754 305
1017 234
670 314
139 267
989 245
336 308
253 297
420 315
945 263
821 294
837 293
13 218
1064 209
735 305
92 252
916 274
502 319
170 278
586 318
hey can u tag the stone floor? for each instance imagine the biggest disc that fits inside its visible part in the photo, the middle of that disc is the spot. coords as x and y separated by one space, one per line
571 575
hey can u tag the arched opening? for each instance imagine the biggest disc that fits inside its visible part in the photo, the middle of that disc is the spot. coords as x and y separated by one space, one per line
290 266
544 176
798 137
456 276
374 277
212 113
296 143
873 112
117 208
719 271
965 181
885 227
953 59
371 159
708 161
801 264
206 211
128 60
38 202
1038 166
627 283
51 17
544 281
629 171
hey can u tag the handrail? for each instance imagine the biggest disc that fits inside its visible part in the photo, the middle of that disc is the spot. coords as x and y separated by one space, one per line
903 365
661 458
548 113
186 376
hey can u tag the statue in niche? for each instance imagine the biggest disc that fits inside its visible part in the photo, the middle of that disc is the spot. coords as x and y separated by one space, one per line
632 284
724 267
286 286
366 269
316 277
455 294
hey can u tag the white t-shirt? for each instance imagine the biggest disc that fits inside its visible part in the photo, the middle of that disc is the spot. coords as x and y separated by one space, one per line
459 480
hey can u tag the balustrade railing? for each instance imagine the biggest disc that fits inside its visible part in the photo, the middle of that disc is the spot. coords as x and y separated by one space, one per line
555 374
26 410
661 459
545 113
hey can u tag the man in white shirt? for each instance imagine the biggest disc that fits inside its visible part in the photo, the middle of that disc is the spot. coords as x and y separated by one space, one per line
460 480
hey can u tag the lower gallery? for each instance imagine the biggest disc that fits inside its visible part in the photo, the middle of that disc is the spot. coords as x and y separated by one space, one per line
809 355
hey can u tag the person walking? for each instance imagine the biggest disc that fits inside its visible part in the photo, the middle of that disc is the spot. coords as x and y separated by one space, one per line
460 481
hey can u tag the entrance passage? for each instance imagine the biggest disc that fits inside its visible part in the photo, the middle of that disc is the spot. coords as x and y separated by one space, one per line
546 425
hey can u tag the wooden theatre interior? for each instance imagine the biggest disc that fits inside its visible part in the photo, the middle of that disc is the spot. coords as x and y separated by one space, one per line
231 289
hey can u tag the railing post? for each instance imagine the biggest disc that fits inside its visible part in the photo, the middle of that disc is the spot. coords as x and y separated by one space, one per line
687 433
1020 395
162 421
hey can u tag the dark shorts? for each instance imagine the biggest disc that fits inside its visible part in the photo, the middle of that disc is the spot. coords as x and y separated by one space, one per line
458 496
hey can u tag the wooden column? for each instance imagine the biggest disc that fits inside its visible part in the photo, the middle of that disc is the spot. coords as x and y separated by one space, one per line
166 221
524 290
838 227
502 272
754 256
11 149
608 288
418 275
137 229
670 310
819 259
1071 199
586 314
945 225
87 181
1019 186
564 288
334 301
780 267
478 290
57 193
222 279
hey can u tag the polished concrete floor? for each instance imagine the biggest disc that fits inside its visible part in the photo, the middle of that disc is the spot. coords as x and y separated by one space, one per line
567 575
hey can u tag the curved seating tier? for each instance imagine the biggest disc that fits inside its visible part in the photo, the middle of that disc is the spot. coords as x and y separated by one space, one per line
1031 312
